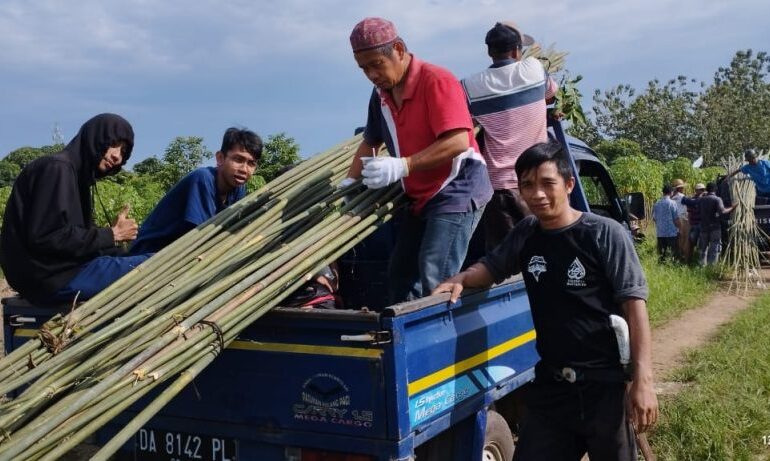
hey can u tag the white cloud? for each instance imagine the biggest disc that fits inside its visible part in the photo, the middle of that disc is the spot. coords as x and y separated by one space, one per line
293 56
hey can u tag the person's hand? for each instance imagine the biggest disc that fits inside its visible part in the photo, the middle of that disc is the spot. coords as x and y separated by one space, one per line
124 228
642 405
379 172
453 286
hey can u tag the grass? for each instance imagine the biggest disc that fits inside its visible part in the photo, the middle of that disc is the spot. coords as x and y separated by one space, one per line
725 413
674 287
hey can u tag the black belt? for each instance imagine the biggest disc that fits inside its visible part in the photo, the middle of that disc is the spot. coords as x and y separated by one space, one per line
574 374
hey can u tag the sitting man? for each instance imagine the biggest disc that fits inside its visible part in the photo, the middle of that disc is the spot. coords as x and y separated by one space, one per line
50 250
202 193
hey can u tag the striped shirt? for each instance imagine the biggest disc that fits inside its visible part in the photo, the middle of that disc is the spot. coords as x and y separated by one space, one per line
508 101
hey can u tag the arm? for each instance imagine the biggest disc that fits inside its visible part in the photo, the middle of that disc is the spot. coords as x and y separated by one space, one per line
450 123
727 210
550 89
642 400
687 201
476 276
499 263
675 216
448 146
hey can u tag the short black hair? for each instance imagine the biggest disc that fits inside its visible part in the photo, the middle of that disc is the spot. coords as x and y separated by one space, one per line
667 189
750 154
501 40
241 137
711 187
538 154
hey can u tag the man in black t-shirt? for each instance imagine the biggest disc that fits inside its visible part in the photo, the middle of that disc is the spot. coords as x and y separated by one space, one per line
579 269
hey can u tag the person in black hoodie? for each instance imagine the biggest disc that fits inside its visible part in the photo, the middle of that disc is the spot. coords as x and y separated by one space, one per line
50 249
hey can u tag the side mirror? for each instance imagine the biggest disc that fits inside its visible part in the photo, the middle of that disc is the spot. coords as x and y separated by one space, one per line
635 205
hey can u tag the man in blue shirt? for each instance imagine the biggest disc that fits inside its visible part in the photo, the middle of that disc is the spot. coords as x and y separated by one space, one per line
666 217
759 172
202 193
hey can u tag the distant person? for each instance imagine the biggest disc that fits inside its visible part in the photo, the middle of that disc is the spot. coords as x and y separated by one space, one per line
202 193
666 217
51 251
682 249
711 210
693 216
508 100
419 111
759 172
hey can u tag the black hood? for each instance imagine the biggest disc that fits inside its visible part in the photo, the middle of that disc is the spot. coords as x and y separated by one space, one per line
92 141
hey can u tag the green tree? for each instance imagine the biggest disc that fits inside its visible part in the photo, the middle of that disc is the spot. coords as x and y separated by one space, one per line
8 173
149 166
279 152
5 193
610 150
735 110
586 132
637 173
23 155
661 119
183 154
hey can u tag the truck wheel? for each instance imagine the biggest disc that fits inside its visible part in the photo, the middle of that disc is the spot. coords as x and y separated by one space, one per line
498 440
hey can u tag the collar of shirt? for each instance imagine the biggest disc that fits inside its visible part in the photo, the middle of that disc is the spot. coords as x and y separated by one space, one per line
411 78
502 63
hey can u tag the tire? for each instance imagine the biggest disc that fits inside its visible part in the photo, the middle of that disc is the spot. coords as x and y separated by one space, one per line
498 440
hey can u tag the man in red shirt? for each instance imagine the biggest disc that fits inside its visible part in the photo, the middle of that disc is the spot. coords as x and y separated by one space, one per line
419 111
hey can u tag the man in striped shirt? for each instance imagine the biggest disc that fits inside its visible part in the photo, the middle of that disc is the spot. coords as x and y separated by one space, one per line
508 100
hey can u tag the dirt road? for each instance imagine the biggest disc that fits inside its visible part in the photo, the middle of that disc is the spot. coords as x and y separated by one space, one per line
670 342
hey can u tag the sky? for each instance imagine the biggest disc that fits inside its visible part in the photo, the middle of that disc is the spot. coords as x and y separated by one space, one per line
179 68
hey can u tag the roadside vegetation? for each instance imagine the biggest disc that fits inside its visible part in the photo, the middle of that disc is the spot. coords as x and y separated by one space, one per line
674 287
725 412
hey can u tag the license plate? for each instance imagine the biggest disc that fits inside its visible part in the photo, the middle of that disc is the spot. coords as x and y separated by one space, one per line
158 445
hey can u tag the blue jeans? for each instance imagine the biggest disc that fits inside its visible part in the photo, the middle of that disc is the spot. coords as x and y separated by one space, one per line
429 250
98 275
710 245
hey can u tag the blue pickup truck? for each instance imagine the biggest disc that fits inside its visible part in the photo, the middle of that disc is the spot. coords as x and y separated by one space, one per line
421 380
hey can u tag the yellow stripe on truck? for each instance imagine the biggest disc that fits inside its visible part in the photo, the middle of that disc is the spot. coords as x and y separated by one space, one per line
462 366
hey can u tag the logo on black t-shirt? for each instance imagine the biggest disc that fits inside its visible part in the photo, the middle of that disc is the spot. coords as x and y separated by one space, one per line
575 274
536 267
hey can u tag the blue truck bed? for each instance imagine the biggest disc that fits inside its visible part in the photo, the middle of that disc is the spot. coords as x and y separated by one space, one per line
360 382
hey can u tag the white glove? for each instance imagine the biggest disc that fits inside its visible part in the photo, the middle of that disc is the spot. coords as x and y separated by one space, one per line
383 171
345 183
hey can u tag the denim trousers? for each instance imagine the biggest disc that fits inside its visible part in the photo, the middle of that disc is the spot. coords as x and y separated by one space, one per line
97 275
429 249
710 245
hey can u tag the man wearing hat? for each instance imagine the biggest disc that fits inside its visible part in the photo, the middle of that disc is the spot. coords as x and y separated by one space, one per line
759 172
419 111
684 225
508 100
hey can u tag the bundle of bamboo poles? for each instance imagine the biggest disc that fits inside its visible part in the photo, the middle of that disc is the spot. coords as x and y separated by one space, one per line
741 262
553 60
164 322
